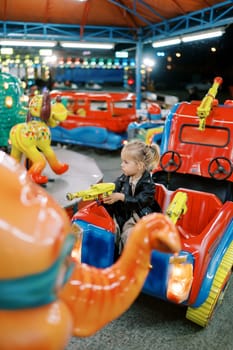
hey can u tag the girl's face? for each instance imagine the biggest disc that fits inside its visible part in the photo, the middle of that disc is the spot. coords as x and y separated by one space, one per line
129 166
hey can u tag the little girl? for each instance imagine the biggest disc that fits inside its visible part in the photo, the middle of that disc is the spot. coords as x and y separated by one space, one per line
135 190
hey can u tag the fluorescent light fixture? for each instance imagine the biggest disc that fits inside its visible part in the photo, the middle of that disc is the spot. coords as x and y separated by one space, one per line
168 42
76 45
121 54
29 43
190 37
203 35
46 52
7 51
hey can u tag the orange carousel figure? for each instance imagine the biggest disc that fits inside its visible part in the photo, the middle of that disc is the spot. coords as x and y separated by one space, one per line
46 295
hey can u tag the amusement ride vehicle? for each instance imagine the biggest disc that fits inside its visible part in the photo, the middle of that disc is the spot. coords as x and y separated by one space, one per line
149 125
194 187
98 120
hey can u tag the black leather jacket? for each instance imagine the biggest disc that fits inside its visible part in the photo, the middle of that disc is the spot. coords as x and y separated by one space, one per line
142 202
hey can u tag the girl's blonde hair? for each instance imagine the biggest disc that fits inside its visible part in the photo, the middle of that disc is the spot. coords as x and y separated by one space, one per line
140 152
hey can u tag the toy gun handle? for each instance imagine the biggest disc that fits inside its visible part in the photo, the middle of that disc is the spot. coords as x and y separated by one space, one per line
204 109
177 207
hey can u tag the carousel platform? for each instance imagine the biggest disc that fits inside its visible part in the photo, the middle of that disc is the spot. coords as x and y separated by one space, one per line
83 172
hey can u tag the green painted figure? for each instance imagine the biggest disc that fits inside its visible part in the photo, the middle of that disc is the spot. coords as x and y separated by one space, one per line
13 109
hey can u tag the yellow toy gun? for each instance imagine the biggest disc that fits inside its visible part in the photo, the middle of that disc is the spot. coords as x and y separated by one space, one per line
204 109
181 271
177 207
95 192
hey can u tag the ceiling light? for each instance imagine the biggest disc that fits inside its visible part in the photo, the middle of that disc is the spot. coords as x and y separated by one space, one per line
121 54
203 35
50 59
190 37
29 43
46 52
6 51
148 62
169 42
83 45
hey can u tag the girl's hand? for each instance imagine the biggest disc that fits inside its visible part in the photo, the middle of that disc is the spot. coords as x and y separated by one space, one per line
114 197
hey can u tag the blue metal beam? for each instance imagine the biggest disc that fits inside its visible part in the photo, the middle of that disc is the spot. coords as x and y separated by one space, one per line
138 70
208 18
217 15
31 30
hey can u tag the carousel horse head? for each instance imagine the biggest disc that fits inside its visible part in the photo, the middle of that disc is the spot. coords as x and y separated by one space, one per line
41 107
35 262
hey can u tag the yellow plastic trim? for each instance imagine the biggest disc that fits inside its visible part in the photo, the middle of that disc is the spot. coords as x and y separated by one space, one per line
202 314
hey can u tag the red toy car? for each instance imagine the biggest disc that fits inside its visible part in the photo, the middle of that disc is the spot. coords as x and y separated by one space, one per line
98 120
194 187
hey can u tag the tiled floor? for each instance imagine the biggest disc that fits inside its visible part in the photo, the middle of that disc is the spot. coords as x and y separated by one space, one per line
152 324
83 171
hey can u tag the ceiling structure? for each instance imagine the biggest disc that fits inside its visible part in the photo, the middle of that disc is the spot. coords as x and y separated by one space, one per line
125 23
116 21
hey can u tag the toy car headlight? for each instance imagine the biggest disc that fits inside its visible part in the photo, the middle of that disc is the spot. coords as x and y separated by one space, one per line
77 250
179 281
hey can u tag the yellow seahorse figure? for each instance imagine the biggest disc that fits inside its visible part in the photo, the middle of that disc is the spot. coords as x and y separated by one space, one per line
33 138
